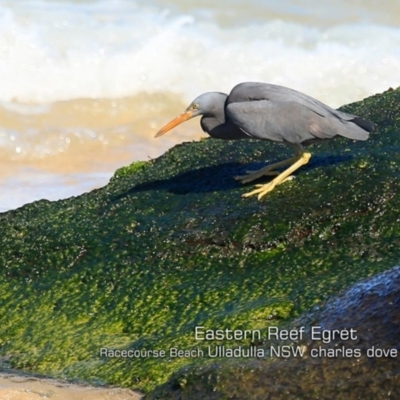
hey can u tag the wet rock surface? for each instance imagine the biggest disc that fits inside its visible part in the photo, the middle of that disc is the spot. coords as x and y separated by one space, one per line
170 244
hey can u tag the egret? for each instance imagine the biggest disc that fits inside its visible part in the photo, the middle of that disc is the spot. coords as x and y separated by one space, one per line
275 113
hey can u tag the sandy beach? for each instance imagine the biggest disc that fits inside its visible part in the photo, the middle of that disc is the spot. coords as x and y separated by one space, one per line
24 387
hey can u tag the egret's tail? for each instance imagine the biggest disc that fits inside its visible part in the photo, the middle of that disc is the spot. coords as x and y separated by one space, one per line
356 127
363 123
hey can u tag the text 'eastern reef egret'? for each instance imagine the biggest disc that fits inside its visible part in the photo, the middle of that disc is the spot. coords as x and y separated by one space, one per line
271 112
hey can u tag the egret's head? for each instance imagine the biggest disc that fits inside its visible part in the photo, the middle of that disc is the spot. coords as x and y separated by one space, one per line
205 104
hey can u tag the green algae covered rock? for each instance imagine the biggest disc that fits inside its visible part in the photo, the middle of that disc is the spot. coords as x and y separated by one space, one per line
348 350
170 245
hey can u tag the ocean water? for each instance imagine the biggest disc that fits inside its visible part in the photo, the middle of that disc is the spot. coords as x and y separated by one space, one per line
85 85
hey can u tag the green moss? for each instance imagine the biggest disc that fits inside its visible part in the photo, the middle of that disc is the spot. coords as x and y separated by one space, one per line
170 244
129 170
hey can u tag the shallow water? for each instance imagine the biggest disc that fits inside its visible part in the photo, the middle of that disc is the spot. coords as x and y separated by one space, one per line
24 387
87 84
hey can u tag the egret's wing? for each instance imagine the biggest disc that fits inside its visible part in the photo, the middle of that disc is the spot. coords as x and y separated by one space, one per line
253 91
282 114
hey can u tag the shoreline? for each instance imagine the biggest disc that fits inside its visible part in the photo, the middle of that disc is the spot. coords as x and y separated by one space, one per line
18 385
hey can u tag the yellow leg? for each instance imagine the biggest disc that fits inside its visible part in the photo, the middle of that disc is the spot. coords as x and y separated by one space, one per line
268 170
262 190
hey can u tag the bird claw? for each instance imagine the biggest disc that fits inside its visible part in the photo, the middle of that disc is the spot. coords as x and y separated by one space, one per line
243 179
253 175
262 189
252 171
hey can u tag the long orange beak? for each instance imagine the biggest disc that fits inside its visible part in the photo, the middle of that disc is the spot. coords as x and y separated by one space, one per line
178 120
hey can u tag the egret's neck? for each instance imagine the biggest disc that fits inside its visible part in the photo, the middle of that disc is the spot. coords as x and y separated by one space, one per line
218 128
210 122
214 122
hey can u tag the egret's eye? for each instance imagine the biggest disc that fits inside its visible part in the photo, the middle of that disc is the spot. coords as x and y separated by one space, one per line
195 106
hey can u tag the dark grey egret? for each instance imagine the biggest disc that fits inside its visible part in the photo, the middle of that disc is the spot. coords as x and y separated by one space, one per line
275 113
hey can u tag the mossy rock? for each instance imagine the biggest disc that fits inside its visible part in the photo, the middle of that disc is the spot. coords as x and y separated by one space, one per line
347 350
171 245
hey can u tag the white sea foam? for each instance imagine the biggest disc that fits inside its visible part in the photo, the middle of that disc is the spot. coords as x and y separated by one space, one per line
58 50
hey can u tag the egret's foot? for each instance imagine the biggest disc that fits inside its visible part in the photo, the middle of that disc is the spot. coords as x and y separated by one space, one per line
262 190
253 175
301 158
269 170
